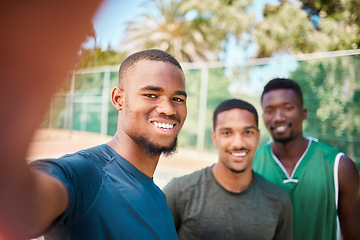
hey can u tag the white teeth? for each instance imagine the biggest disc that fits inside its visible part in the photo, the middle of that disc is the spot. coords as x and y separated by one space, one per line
240 154
165 126
281 128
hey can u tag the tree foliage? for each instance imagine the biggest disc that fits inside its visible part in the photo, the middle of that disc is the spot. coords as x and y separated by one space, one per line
286 28
226 17
97 57
332 96
172 31
309 26
188 29
193 30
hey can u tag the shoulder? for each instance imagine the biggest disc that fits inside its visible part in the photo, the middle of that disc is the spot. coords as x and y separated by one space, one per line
262 152
270 190
81 173
322 150
261 157
347 163
348 174
264 148
322 146
186 182
81 163
81 157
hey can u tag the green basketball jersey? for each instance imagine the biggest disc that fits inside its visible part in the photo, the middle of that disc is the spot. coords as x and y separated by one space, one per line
312 187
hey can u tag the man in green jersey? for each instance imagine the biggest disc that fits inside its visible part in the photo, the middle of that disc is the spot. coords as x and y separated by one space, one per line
322 182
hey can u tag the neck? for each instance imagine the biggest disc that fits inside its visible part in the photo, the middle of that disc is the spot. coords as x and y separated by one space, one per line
289 153
231 181
133 153
292 149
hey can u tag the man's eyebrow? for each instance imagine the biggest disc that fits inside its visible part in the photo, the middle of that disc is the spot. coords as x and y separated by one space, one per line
159 89
251 127
246 128
152 88
224 129
181 93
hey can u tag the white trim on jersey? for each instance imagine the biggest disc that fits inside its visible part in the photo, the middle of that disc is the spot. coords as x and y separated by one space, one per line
336 183
290 178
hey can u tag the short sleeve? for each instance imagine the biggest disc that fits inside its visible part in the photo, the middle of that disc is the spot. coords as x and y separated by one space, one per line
53 168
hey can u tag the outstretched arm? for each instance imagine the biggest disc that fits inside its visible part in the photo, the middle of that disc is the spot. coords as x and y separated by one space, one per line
39 41
349 199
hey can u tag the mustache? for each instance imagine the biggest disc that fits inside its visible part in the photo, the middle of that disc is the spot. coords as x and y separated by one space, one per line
171 117
238 149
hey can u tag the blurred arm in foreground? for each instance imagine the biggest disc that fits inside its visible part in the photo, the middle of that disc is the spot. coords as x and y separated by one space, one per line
38 44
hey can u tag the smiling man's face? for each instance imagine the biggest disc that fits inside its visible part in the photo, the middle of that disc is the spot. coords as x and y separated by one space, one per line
283 114
237 136
154 110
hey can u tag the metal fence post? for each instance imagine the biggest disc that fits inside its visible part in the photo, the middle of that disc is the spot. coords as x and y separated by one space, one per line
202 108
70 104
105 103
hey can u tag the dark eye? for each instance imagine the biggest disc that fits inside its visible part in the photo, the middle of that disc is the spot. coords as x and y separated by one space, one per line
225 133
268 111
289 108
150 95
176 99
249 132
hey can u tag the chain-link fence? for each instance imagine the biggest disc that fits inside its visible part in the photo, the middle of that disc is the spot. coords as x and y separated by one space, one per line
329 81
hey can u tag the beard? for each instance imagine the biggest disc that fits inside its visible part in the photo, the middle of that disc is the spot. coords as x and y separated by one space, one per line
283 140
154 150
237 171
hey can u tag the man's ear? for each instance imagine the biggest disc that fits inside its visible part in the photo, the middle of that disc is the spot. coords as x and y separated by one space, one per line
117 98
258 136
304 114
213 137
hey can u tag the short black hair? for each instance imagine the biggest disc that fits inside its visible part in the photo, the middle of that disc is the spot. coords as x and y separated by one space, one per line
235 104
151 55
283 83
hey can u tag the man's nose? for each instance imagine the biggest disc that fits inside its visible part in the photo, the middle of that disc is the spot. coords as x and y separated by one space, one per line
166 107
279 115
238 141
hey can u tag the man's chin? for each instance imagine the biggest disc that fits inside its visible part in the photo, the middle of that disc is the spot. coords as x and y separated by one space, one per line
282 139
153 150
169 152
237 170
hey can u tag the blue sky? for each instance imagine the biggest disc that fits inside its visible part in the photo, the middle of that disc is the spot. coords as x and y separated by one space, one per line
110 20
110 28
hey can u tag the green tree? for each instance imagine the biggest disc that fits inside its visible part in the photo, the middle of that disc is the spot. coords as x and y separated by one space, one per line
226 17
285 28
94 55
332 97
172 30
308 26
97 57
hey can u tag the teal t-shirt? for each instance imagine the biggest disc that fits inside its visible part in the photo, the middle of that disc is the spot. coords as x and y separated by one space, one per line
312 188
108 198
